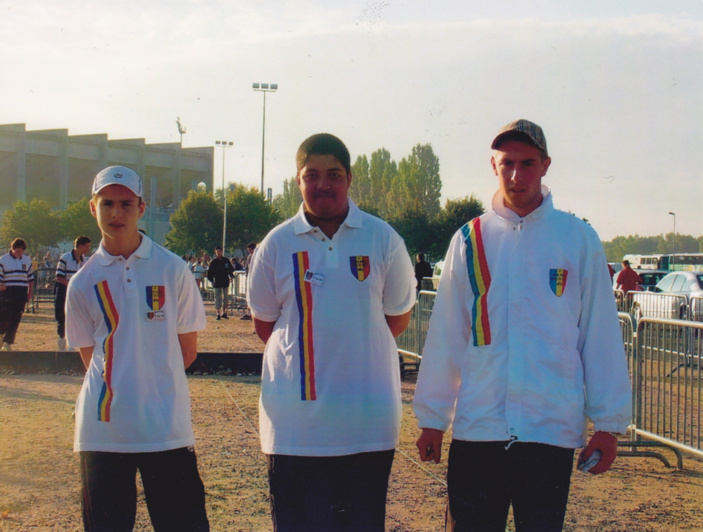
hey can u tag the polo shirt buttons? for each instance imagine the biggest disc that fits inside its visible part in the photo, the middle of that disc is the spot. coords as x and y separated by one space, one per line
330 248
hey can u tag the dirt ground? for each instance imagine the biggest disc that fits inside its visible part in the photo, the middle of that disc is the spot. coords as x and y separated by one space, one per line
39 485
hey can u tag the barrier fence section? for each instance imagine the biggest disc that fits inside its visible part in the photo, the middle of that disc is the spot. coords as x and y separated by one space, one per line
667 381
664 359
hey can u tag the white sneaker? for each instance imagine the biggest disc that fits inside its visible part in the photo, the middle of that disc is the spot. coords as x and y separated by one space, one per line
6 347
62 344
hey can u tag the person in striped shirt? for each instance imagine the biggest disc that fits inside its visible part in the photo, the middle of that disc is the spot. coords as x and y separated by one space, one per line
16 285
68 265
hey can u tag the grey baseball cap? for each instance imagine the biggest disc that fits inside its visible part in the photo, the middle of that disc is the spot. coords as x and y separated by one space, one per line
522 130
118 175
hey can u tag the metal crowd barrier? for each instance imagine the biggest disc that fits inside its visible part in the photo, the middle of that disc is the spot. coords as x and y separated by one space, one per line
664 360
668 384
44 280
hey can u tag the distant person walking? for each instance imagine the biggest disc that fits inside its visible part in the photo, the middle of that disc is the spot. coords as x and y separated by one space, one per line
68 265
16 287
627 279
219 274
422 269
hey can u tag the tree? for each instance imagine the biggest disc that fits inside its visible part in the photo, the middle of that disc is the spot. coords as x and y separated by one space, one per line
360 190
196 225
417 183
35 222
76 220
249 217
288 203
456 212
416 228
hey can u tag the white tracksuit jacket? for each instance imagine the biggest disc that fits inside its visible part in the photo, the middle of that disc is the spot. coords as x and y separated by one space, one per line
524 341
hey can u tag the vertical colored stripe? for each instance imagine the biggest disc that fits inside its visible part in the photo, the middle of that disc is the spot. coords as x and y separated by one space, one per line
480 279
111 317
303 294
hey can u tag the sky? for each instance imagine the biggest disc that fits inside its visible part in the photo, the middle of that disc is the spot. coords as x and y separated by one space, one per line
616 86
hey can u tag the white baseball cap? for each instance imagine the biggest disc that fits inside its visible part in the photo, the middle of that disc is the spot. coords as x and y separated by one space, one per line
118 175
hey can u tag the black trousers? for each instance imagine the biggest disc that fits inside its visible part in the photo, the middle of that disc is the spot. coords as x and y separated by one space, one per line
485 478
59 309
329 494
174 493
10 316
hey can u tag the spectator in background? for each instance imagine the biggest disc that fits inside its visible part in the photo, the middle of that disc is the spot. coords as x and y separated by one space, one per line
523 346
199 273
237 265
329 289
628 279
16 286
68 266
251 248
422 270
219 274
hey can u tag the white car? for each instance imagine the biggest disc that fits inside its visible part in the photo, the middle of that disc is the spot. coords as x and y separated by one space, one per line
672 297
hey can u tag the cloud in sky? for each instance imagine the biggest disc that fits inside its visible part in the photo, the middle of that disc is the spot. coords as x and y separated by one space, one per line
617 88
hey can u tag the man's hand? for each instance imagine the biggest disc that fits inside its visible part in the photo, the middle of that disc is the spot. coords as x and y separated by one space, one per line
607 444
430 445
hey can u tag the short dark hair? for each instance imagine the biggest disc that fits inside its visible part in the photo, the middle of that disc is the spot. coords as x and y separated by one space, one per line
81 240
218 247
18 243
251 245
323 144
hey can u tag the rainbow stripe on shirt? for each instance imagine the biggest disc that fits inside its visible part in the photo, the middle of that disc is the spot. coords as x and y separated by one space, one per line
480 279
303 294
112 318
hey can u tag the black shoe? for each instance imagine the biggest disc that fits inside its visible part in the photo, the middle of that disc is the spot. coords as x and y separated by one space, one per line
245 317
218 317
224 316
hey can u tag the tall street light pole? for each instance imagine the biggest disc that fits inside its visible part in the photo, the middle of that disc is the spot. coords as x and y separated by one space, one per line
264 87
673 246
224 144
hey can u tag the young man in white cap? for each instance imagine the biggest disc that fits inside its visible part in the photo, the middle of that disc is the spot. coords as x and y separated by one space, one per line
134 311
523 346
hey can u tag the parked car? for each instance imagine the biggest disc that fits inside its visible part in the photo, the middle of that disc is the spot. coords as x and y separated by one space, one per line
671 297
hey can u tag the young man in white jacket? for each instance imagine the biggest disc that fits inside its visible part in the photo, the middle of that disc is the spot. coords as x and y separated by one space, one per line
523 346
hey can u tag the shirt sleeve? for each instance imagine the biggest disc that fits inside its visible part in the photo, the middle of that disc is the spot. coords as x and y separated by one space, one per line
400 282
80 328
191 310
448 335
261 284
607 382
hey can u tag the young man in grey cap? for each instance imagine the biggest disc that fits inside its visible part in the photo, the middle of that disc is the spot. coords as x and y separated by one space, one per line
523 346
134 310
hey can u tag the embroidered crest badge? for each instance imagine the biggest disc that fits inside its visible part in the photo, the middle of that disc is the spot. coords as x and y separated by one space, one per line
155 300
557 280
360 267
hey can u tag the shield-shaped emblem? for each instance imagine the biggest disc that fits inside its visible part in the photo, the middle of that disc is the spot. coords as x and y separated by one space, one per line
360 267
557 281
155 297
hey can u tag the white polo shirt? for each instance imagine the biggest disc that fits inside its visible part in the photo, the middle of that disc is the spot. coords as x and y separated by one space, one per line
330 378
135 394
68 265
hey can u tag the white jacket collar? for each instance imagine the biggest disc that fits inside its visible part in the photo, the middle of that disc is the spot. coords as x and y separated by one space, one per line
511 216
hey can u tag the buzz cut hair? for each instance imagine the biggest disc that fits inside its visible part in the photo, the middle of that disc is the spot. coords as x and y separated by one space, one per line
323 144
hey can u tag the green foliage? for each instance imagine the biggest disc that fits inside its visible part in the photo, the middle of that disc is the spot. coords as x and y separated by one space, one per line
650 245
360 190
35 222
416 228
197 224
76 220
288 203
417 185
456 212
249 217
